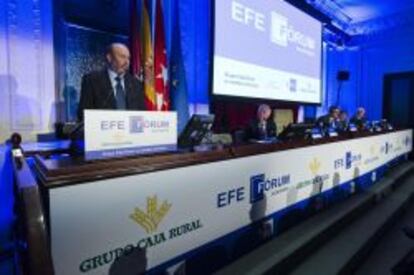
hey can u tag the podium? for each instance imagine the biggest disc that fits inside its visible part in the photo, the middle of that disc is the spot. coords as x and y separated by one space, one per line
114 134
170 209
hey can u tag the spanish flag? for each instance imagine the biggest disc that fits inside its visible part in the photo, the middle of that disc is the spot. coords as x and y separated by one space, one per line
148 59
135 42
161 62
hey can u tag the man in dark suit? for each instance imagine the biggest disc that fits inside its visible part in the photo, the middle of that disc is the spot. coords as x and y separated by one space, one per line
359 119
262 127
113 87
331 119
343 121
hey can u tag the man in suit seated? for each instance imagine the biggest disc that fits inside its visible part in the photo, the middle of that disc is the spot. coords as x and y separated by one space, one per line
343 121
359 119
114 87
262 127
331 119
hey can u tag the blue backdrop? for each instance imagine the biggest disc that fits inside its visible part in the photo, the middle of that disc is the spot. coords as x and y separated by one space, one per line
83 28
82 43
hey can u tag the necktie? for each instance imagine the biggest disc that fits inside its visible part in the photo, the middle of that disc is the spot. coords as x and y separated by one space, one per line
263 132
119 94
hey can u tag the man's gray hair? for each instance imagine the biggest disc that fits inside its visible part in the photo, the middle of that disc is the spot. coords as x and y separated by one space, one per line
263 107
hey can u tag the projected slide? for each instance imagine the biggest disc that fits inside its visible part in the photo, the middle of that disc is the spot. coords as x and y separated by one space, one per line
266 49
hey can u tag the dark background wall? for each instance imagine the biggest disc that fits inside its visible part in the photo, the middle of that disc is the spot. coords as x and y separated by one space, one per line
83 29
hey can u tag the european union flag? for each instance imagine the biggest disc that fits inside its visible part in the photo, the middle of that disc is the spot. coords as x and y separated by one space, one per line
178 88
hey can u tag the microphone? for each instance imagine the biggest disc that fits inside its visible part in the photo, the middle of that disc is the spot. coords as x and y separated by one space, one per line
78 128
16 150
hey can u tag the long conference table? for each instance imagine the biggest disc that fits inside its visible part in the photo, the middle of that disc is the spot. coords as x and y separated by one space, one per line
191 210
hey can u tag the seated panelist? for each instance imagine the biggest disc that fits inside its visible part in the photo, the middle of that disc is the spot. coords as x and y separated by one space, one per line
343 121
262 127
329 120
359 119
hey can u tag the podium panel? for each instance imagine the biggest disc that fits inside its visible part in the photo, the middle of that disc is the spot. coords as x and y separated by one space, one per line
158 216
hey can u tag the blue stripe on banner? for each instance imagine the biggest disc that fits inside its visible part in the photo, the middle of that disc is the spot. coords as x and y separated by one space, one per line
116 153
335 194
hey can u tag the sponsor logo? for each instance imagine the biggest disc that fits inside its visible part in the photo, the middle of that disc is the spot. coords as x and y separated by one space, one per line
317 178
107 257
373 155
407 141
314 166
386 148
245 15
110 125
137 125
402 144
282 33
348 161
260 185
149 221
398 148
230 196
151 218
117 137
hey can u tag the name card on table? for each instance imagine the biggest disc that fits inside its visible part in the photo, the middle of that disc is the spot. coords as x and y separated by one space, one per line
114 133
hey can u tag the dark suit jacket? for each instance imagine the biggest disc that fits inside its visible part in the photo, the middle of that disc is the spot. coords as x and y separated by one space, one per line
359 122
97 93
325 120
254 132
342 125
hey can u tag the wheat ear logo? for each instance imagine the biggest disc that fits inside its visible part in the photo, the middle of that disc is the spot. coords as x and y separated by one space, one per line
150 219
314 166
